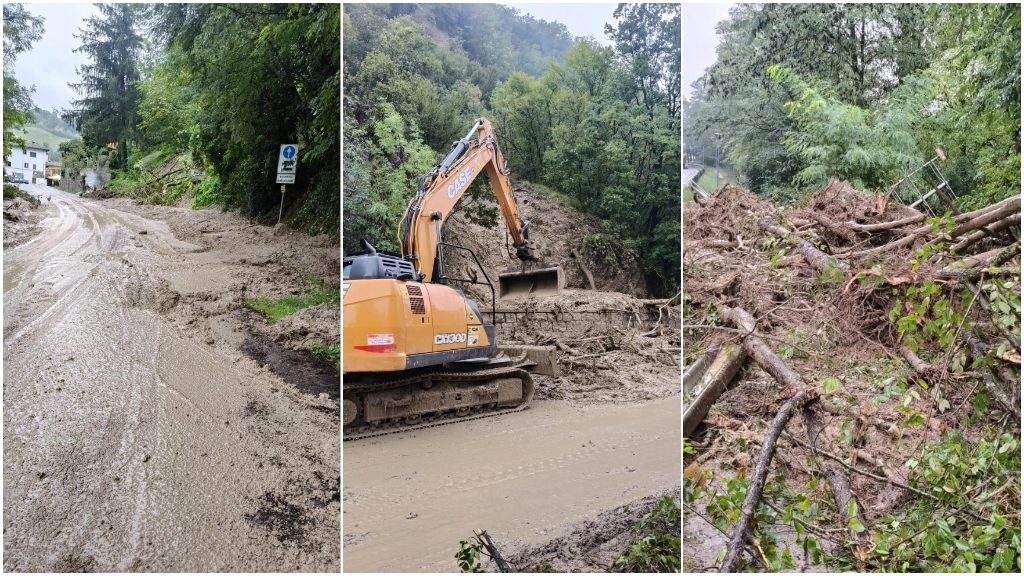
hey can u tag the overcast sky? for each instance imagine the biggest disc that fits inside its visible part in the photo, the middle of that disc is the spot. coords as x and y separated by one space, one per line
699 39
50 64
579 19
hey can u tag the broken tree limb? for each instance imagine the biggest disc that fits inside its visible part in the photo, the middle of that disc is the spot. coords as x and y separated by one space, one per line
774 365
931 374
973 289
816 258
979 350
760 351
847 503
886 225
1006 208
728 360
986 231
754 491
838 230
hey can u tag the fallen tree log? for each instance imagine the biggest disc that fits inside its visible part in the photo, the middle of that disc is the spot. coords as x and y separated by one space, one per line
728 360
973 289
968 222
760 351
816 258
986 231
847 503
774 365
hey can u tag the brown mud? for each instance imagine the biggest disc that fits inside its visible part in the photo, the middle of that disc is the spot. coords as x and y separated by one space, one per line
526 479
137 435
21 220
589 545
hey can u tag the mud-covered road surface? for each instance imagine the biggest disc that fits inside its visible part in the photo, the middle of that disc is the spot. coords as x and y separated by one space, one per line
525 478
136 438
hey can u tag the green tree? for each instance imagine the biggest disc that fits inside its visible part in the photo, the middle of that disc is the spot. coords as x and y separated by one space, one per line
21 30
261 75
109 86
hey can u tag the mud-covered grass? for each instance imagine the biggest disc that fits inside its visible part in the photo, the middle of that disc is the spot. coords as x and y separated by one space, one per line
642 536
315 293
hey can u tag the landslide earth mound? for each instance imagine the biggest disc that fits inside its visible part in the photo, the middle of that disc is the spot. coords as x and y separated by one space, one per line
614 344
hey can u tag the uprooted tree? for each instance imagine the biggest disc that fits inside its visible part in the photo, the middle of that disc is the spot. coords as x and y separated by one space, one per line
878 424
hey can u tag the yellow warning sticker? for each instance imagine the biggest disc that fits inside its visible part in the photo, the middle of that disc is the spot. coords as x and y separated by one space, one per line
474 330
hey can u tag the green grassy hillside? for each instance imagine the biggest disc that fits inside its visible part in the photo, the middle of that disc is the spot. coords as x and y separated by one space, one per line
42 136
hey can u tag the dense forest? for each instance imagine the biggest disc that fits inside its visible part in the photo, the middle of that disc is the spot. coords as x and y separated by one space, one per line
218 87
599 125
804 92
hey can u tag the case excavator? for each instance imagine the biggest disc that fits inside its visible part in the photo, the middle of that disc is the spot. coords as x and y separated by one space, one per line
417 351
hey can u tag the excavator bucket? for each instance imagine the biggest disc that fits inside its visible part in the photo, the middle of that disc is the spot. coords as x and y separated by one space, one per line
546 281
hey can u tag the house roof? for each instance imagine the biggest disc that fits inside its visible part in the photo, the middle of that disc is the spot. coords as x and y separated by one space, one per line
33 146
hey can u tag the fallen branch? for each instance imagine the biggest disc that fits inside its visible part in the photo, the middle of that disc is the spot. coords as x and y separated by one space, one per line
979 350
847 503
772 364
754 491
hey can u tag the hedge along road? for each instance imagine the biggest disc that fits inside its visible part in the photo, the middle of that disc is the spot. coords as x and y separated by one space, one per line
128 444
409 498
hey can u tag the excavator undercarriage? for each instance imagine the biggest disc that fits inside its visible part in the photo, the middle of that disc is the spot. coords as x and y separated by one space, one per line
375 408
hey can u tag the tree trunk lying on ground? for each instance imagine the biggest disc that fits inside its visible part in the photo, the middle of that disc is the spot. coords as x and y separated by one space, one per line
816 258
840 486
728 360
774 365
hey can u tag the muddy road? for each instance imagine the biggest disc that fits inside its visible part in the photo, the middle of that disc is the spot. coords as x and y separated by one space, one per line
135 437
525 478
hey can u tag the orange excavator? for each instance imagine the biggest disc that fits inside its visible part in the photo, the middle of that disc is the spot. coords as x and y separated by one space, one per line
417 351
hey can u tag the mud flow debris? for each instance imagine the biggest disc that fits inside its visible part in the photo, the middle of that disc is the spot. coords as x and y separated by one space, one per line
828 349
148 412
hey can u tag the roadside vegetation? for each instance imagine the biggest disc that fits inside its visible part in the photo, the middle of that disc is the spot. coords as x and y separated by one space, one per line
215 88
11 191
315 293
805 92
598 124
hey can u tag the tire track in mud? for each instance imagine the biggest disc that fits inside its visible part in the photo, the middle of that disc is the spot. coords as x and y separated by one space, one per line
410 498
127 442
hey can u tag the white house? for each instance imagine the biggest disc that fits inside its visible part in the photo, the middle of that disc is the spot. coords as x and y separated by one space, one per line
28 162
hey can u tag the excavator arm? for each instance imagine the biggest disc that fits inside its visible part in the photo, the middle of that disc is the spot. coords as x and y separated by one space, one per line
439 190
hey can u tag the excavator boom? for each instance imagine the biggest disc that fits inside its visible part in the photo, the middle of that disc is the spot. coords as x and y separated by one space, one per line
442 187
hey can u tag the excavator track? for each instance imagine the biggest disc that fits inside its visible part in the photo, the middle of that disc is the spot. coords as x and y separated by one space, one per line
417 423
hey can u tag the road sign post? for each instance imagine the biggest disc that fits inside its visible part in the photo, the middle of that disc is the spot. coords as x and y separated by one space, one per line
287 162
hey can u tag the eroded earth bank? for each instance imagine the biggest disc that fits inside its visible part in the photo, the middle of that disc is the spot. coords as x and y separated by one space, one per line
152 422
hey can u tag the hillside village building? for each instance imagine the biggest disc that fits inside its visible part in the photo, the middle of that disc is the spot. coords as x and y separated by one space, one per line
28 162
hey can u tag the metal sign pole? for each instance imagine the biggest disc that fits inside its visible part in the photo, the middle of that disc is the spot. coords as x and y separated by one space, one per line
281 209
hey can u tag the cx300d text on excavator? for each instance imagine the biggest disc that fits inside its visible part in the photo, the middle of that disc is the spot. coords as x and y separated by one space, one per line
416 349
